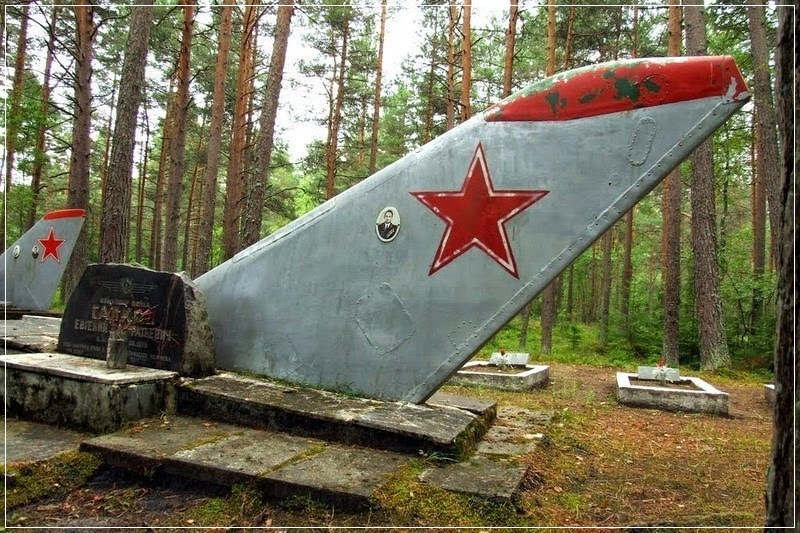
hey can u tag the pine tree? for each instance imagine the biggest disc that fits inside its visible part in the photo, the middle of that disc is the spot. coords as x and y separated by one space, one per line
169 254
269 111
78 193
115 221
203 259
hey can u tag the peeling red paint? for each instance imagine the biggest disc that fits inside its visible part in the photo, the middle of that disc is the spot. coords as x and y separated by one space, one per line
624 86
65 213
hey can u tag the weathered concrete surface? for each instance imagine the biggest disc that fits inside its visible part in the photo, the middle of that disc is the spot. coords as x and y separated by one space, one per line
394 426
29 442
31 333
282 465
506 377
769 393
340 474
706 399
483 408
500 481
516 431
71 391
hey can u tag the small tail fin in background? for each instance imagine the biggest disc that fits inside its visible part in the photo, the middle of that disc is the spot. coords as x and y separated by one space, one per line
32 267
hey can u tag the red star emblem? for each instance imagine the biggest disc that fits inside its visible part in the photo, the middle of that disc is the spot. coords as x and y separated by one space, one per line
50 245
476 216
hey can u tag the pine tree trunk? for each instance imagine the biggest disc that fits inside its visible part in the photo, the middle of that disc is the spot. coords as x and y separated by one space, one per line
570 297
450 113
568 40
606 286
525 315
466 61
169 255
511 37
762 96
234 190
159 201
376 107
115 214
336 118
548 316
255 214
759 209
16 94
549 294
627 260
78 187
142 181
550 65
713 344
427 133
203 259
781 497
38 158
14 111
671 237
107 147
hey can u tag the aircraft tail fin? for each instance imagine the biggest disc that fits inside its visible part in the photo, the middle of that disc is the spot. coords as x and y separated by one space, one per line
32 267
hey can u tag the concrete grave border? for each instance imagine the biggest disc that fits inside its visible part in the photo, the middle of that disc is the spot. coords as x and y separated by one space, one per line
527 378
706 400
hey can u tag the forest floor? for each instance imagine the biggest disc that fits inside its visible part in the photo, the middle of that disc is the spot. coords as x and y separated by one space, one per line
601 464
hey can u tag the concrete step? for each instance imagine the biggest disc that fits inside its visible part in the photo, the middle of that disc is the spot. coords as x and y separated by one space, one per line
394 426
279 464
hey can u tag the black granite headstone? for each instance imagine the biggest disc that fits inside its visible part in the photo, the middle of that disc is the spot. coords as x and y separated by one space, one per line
163 313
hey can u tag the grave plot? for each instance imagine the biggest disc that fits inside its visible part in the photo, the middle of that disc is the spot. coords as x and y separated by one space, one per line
507 371
690 394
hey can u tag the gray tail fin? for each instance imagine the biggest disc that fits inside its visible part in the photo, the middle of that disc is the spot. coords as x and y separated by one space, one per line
32 267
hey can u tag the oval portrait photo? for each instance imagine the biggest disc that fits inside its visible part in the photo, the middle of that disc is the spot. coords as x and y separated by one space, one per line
388 224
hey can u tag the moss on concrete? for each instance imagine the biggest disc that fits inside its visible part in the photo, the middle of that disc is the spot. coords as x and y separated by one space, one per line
58 475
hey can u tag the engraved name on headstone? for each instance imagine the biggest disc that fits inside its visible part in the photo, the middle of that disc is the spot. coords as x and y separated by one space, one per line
163 314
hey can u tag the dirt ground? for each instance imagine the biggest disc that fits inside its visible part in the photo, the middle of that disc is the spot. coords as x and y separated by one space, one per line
601 464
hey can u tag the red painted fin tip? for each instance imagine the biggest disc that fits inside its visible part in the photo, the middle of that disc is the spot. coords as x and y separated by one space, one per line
622 86
65 213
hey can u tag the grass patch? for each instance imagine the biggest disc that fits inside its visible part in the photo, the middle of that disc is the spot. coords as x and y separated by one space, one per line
236 509
58 475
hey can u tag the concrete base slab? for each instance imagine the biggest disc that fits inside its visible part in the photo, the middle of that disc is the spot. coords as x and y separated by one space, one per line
769 393
480 476
394 426
704 398
283 465
66 390
487 410
339 474
29 442
31 333
506 377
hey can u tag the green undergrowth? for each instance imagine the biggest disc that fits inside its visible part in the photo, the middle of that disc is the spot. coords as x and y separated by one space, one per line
58 475
578 343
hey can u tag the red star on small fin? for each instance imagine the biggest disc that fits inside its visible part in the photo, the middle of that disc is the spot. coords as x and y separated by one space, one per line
50 245
476 216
